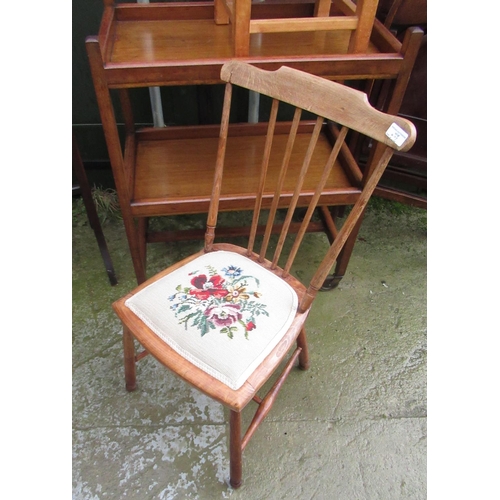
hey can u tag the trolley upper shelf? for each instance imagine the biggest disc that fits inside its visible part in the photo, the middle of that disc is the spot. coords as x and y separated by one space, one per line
179 43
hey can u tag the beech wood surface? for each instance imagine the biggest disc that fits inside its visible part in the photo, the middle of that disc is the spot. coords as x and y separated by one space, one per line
329 100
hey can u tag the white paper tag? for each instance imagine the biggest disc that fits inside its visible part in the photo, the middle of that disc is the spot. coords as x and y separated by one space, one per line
396 134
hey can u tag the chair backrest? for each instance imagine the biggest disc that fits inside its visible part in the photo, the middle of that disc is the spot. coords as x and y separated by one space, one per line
349 109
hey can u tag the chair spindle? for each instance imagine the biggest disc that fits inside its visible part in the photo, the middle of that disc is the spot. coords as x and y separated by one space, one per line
219 166
263 174
353 217
281 179
337 147
298 188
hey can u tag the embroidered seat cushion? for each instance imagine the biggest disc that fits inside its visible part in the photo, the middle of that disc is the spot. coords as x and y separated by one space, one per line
222 312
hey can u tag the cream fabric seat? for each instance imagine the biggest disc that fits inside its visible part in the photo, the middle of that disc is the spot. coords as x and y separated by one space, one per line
222 312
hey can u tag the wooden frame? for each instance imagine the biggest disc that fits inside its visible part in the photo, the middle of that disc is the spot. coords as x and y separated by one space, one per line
349 109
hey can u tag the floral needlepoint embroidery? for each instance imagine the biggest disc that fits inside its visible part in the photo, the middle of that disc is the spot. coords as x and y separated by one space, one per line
223 301
204 288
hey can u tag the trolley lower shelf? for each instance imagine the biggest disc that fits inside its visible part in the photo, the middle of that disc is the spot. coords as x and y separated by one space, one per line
173 169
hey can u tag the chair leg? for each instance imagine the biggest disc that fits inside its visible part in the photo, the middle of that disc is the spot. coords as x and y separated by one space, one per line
304 363
235 449
129 359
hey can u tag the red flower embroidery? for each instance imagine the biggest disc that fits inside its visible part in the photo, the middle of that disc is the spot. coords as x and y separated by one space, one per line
207 288
250 326
223 315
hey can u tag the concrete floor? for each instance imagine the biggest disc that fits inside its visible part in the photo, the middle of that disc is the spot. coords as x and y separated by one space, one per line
352 427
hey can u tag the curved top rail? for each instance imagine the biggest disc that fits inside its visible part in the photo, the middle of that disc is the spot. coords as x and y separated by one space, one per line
325 98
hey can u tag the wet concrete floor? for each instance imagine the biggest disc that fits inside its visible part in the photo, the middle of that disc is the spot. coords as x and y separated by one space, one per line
352 427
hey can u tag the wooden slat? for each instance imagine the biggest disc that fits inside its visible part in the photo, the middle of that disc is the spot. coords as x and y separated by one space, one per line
347 7
221 153
365 12
263 174
281 179
384 39
241 24
352 167
352 219
128 162
266 404
222 12
141 355
106 31
312 206
401 197
127 113
306 24
299 182
322 8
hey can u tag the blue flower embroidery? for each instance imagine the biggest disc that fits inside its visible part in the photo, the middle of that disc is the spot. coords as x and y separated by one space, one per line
232 271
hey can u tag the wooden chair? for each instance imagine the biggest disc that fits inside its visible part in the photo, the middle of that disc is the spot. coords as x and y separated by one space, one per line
224 318
356 17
